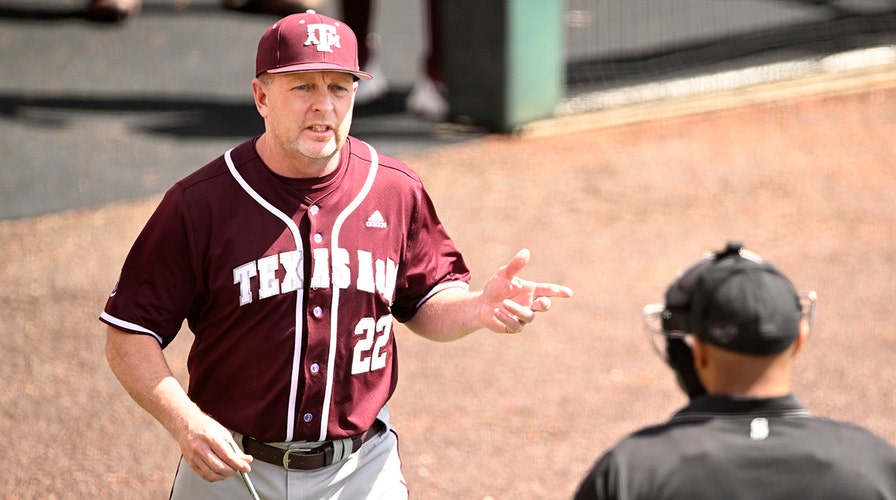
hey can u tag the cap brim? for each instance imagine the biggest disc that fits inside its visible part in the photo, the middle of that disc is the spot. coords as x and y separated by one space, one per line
307 68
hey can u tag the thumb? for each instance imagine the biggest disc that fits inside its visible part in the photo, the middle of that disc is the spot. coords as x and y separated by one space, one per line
516 264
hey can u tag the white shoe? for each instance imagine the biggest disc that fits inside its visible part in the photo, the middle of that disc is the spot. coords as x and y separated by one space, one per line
427 99
371 90
112 10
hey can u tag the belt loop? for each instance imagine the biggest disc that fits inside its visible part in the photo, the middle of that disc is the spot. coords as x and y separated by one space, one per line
342 448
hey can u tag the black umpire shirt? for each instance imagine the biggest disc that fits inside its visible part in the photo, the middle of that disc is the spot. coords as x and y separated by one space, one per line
737 448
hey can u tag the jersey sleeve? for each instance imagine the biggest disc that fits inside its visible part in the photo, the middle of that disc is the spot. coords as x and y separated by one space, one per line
433 262
157 284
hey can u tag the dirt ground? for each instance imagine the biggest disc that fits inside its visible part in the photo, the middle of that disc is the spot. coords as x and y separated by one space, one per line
611 211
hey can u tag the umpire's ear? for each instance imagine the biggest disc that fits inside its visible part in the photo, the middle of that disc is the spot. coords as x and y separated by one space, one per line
699 353
681 359
802 338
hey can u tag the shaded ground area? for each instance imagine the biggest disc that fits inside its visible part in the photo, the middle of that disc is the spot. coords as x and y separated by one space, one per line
613 212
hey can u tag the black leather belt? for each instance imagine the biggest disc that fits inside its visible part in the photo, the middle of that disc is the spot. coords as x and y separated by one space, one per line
314 458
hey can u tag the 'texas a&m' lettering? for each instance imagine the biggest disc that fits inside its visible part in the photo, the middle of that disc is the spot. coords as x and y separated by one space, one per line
324 36
371 275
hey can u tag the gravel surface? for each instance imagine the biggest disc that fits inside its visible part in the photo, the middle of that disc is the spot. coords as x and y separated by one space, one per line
613 212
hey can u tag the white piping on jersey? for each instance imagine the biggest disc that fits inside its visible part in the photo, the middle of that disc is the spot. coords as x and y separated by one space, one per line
334 307
300 291
127 325
442 286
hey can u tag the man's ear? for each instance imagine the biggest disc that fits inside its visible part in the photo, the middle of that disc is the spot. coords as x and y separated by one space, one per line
699 351
260 92
681 359
802 338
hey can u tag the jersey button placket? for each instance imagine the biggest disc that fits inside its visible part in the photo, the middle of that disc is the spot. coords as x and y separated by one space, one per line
318 311
316 237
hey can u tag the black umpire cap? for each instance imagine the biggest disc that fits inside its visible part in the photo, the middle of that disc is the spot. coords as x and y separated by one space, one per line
735 300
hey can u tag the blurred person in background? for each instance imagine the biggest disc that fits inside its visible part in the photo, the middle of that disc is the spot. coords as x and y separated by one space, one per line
428 97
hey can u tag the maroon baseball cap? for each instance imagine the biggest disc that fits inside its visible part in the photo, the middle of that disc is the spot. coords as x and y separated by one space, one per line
308 42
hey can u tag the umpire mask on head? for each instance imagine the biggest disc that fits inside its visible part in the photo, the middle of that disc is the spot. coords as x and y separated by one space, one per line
732 299
669 321
672 320
675 324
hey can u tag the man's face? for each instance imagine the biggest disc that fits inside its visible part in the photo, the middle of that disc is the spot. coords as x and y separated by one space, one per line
309 114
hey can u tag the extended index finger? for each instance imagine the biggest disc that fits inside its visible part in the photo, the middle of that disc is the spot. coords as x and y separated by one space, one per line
552 290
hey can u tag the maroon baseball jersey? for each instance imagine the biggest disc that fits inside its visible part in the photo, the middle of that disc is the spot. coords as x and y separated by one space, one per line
290 287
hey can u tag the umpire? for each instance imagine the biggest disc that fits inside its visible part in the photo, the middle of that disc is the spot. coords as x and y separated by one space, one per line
732 324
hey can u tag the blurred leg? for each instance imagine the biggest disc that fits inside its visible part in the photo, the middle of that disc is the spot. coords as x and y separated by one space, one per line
275 7
111 10
358 14
428 96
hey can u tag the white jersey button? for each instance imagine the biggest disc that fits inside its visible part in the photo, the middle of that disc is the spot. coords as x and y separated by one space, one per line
315 367
307 417
318 238
314 209
318 312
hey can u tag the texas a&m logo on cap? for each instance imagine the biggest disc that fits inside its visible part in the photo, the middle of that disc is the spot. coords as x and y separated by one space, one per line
324 36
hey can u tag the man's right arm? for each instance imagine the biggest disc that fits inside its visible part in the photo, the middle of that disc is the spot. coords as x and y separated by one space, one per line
140 366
